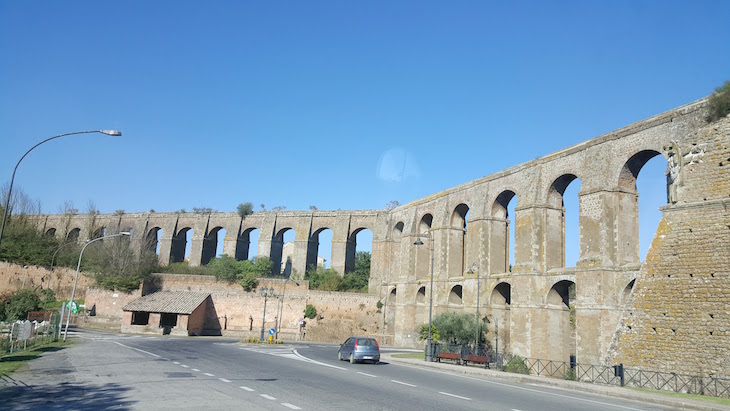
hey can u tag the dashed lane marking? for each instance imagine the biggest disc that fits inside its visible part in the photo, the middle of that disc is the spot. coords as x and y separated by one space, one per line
176 363
268 397
455 396
184 366
137 349
366 374
403 383
209 374
292 406
224 380
195 369
247 389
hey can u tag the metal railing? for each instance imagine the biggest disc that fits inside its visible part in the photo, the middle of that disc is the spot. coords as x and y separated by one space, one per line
618 375
42 332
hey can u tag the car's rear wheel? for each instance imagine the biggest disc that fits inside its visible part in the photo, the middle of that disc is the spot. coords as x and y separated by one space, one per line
339 355
352 358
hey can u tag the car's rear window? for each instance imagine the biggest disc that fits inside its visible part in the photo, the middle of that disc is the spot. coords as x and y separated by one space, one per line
365 341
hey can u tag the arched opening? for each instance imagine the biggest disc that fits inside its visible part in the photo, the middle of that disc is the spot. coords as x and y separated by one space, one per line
395 248
247 244
212 244
73 235
421 295
390 303
282 252
499 302
423 252
502 233
152 240
319 249
51 232
635 234
358 258
180 248
562 320
455 295
627 292
98 233
561 231
458 240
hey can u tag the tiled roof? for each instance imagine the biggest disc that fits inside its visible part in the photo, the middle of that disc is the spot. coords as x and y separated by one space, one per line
173 302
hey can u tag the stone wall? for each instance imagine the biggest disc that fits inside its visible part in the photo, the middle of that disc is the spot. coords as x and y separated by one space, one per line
678 318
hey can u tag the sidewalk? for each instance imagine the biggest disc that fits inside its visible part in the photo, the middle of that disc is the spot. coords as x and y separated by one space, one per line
605 390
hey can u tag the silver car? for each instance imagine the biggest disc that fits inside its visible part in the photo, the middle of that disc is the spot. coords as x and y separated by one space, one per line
359 349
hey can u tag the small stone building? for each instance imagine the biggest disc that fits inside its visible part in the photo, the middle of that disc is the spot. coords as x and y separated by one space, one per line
167 312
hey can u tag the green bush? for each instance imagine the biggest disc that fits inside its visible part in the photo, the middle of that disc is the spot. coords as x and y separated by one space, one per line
719 104
423 332
517 365
16 306
310 311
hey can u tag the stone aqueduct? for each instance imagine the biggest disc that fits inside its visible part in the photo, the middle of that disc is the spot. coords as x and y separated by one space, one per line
527 303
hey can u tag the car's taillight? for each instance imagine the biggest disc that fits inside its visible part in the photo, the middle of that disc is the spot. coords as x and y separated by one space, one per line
355 345
377 345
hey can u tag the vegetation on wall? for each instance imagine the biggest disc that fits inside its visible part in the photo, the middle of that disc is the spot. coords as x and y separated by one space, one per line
719 104
116 265
17 305
327 279
310 311
453 328
244 209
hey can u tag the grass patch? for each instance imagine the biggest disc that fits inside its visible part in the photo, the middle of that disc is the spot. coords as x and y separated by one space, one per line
414 355
9 363
105 327
717 400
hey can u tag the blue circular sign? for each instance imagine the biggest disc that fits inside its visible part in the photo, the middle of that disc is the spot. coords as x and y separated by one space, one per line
272 331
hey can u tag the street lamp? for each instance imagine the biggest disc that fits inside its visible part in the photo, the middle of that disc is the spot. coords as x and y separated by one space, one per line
78 268
115 133
267 292
475 269
428 357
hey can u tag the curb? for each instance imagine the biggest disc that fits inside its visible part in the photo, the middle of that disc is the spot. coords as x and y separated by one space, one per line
603 390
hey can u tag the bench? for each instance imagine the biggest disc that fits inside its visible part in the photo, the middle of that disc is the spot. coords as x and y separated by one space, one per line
449 356
478 359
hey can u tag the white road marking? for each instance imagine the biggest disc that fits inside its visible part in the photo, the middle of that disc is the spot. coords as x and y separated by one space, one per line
367 375
247 389
292 406
457 396
209 374
137 349
303 358
195 369
176 363
268 397
184 366
515 409
403 383
224 380
605 404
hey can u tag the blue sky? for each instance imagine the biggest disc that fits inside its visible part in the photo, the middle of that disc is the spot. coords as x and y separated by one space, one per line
341 105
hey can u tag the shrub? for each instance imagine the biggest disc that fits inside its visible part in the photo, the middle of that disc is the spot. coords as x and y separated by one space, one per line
517 365
423 332
719 104
16 306
310 311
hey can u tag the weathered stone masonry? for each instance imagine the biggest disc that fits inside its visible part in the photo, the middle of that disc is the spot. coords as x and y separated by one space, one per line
681 290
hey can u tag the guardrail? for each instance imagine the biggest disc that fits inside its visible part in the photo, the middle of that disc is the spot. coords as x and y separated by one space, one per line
618 375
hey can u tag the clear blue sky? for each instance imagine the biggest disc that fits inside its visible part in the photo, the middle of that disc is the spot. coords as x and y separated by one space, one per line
341 105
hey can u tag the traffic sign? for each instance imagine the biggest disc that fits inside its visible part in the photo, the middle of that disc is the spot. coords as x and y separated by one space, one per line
272 331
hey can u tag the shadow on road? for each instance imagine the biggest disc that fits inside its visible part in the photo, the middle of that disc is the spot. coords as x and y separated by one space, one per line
69 396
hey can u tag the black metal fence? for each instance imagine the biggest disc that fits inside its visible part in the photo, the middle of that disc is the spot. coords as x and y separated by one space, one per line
618 375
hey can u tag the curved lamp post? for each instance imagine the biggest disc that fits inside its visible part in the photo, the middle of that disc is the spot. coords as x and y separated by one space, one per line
10 190
78 268
428 357
266 292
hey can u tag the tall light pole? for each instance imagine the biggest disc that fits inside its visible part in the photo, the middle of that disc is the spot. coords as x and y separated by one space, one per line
428 357
267 292
475 269
12 179
78 268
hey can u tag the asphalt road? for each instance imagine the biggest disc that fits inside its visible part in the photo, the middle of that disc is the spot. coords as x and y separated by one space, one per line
108 371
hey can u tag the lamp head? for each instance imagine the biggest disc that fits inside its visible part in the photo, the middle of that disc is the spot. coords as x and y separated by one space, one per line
418 241
115 133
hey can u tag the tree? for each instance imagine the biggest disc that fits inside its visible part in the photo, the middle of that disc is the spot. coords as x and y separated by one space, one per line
245 209
117 266
310 311
313 208
325 279
203 210
16 306
358 279
279 208
457 328
719 103
423 332
391 204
